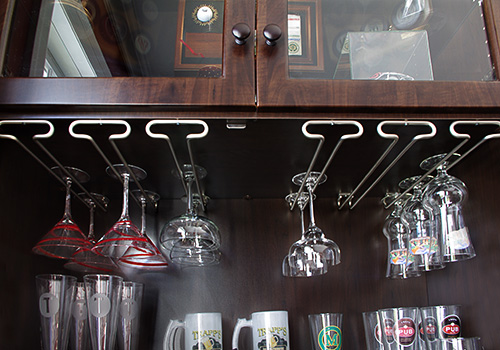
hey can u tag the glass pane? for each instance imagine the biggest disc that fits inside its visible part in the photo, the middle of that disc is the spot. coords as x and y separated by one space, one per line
388 40
108 38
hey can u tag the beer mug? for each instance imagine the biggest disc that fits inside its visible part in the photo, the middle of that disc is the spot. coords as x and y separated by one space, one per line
203 331
269 330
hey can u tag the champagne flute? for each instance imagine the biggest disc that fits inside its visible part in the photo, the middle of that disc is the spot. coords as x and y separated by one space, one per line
65 238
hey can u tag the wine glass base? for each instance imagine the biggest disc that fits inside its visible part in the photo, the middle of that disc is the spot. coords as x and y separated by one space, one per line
77 174
187 171
429 163
121 169
152 196
391 196
301 201
103 200
409 181
313 176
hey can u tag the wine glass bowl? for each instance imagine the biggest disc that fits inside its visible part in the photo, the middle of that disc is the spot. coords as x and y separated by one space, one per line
313 253
191 239
137 256
424 243
124 234
400 262
445 195
86 259
65 238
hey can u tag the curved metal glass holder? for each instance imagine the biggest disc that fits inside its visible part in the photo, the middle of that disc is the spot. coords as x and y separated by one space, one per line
37 139
189 138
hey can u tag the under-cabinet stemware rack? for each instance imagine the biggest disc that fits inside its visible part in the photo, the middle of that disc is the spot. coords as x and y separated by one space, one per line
112 140
349 200
346 199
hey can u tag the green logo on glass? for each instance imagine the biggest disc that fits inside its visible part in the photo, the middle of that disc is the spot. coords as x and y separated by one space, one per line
330 338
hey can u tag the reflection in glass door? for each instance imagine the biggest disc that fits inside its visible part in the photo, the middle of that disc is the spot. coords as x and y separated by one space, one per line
110 38
388 40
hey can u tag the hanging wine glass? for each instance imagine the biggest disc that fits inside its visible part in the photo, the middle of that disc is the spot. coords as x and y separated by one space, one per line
191 239
400 261
445 195
315 253
135 256
124 233
286 269
85 259
65 237
424 242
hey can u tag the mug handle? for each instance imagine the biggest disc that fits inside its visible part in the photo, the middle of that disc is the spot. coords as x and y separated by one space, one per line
241 323
168 341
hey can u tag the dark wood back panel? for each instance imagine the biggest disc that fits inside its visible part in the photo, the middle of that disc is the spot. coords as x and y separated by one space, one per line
256 235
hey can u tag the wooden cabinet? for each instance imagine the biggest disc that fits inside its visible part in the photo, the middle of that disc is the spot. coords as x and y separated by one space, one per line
249 173
258 78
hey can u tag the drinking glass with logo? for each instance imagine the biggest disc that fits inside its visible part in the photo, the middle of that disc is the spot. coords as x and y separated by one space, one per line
55 295
269 330
373 331
202 331
400 328
326 331
441 322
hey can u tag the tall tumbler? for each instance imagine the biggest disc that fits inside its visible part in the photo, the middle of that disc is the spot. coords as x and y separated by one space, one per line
373 331
326 331
400 328
129 318
103 302
441 322
458 344
79 337
55 294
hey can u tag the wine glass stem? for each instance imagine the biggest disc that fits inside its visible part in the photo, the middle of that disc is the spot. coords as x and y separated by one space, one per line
302 221
91 225
189 183
126 181
67 204
311 206
143 215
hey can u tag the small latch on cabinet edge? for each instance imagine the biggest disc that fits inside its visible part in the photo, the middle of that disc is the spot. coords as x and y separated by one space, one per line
236 124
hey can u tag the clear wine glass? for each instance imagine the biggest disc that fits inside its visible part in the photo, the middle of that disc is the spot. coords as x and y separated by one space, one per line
286 269
135 256
315 253
400 261
191 239
124 233
63 240
424 243
85 259
445 195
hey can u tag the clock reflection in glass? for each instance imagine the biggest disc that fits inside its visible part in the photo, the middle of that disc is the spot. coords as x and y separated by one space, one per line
204 15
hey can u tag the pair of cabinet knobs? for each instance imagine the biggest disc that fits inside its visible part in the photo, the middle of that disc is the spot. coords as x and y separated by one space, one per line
242 31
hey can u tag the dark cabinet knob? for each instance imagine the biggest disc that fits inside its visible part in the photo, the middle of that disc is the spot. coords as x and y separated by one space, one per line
272 33
241 32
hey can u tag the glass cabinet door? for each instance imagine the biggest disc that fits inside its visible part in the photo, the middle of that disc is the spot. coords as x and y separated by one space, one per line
337 52
182 48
